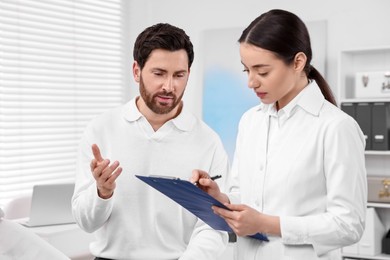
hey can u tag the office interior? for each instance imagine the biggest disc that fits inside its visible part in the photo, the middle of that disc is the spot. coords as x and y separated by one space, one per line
355 34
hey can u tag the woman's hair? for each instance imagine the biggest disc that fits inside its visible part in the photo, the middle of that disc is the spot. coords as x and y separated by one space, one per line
285 35
161 36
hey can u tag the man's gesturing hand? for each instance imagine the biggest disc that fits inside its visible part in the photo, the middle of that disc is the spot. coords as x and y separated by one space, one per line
104 173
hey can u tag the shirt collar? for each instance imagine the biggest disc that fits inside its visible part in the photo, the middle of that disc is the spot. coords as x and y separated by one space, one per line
184 121
310 99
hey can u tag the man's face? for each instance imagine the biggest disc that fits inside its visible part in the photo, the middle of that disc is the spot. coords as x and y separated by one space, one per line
163 79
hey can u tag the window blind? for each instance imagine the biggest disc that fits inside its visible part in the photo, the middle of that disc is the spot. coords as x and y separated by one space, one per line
61 64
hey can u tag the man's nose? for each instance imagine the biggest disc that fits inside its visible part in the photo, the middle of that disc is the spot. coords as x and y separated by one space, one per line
168 85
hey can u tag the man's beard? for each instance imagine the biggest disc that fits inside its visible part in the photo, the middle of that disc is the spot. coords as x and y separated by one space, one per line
158 107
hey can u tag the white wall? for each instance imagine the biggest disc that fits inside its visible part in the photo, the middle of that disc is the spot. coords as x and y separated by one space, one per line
351 24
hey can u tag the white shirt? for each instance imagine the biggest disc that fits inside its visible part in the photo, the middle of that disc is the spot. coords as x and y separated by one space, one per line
304 163
139 222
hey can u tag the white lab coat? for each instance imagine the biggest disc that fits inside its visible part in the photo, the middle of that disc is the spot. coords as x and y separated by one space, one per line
304 163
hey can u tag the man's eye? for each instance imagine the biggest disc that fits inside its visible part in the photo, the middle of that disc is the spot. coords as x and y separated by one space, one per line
245 70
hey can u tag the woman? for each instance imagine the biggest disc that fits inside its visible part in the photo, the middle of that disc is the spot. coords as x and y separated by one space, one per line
298 172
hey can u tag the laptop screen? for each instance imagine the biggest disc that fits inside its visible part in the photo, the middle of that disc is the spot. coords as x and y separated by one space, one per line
51 205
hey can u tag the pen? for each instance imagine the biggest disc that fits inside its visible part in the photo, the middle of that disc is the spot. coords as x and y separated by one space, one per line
212 178
216 177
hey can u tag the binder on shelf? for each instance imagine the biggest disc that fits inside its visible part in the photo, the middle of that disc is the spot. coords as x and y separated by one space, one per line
380 126
386 243
363 118
192 198
349 108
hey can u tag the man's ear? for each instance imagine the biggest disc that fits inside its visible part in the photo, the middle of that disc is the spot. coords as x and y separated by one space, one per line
136 72
300 61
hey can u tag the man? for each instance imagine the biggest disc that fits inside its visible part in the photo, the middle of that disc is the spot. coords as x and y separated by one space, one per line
150 135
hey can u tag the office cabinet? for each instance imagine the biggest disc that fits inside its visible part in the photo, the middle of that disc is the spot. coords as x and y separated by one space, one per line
353 65
380 126
363 117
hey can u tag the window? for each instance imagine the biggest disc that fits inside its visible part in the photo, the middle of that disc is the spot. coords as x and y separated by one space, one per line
61 63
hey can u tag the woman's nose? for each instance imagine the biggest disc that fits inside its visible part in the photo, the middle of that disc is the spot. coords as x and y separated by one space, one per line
252 81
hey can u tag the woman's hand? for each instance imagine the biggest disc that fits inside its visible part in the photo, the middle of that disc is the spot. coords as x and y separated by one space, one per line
245 220
204 182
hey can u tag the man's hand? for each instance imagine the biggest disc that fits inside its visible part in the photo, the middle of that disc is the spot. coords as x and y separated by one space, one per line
104 173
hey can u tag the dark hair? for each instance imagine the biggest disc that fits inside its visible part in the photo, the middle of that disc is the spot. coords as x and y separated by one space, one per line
285 34
161 36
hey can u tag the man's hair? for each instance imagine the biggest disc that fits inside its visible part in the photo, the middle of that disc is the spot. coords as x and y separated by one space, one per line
161 36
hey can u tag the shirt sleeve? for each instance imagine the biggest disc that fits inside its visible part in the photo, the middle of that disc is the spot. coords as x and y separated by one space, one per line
344 166
89 210
207 243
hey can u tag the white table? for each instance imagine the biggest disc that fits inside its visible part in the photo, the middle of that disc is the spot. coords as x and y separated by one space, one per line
67 238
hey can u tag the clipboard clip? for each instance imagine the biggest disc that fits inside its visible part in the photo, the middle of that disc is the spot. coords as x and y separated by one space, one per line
164 177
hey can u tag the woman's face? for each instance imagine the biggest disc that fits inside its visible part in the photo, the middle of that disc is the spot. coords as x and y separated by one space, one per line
270 78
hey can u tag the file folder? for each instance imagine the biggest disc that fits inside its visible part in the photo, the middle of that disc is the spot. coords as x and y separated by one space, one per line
380 126
349 108
363 118
192 198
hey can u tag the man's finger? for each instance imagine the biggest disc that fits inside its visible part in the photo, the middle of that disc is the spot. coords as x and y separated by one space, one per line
107 171
96 153
114 175
98 171
93 164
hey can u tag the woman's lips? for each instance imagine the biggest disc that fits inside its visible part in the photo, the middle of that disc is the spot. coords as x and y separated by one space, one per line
261 94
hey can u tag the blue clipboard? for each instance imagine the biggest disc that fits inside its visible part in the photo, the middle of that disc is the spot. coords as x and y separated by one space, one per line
195 200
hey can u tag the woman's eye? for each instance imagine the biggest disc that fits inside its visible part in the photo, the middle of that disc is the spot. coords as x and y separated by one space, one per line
263 74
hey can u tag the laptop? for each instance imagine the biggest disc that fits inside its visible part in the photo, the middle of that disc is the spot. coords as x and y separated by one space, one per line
51 205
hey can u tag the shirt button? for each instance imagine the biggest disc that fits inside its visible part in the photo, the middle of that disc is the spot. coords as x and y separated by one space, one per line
261 167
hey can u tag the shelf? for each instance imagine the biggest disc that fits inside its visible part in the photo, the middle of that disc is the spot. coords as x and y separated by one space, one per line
377 152
378 205
364 100
360 60
351 64
376 257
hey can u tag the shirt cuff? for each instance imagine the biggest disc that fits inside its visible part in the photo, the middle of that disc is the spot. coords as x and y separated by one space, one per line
294 231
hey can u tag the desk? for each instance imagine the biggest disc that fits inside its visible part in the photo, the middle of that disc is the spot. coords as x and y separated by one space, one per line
68 238
74 242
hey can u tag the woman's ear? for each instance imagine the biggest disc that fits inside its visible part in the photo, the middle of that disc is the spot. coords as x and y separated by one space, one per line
300 61
136 72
